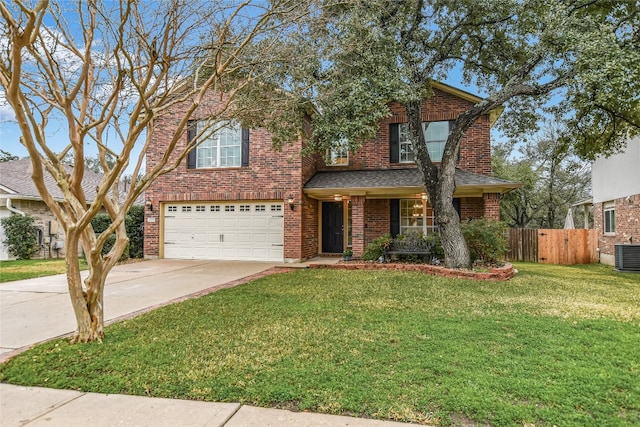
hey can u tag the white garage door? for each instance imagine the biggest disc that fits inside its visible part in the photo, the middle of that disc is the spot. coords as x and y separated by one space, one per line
227 231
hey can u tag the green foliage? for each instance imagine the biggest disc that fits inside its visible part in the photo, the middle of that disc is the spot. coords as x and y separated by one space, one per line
434 240
108 244
134 224
485 239
553 179
6 156
389 345
100 222
377 247
21 235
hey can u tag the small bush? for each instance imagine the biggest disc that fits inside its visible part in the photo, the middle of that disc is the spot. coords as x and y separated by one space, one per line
100 223
485 240
134 224
376 248
21 236
108 244
434 239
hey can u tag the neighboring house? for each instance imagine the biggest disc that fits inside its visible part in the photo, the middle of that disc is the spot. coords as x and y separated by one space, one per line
236 198
616 200
19 196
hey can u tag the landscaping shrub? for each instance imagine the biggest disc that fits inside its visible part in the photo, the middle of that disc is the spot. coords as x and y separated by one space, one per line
21 235
134 224
485 240
376 248
438 252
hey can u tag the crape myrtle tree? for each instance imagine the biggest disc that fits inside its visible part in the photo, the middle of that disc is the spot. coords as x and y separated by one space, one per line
101 73
576 59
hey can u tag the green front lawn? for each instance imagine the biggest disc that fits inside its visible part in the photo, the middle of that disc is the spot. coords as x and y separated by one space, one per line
28 269
554 346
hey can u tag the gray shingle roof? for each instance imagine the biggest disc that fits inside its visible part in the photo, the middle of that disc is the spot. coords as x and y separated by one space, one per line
388 178
16 177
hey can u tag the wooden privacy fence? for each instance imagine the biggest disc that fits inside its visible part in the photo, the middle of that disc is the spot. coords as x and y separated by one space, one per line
546 246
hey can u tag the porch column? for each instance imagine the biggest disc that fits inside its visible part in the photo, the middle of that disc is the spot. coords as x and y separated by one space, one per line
357 225
491 206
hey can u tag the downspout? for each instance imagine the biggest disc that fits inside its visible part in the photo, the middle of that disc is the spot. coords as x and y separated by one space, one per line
14 210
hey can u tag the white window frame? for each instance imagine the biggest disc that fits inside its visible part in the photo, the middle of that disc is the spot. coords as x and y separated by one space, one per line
609 218
338 154
434 145
220 149
417 216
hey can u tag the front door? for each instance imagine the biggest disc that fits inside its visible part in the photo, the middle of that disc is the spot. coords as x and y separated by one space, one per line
332 227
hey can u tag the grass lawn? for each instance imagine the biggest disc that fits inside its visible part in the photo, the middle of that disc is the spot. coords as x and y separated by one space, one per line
554 346
28 269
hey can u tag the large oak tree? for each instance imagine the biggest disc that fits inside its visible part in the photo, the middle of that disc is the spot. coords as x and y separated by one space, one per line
577 59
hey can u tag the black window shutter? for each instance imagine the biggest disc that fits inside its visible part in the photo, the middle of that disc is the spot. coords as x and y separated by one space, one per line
192 130
394 217
245 147
394 143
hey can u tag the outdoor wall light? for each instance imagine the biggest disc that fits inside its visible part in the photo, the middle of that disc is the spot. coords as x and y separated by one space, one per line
425 196
149 205
337 198
291 202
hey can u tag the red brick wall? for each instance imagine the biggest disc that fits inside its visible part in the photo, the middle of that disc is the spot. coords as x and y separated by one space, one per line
475 149
491 206
471 208
627 211
376 219
271 175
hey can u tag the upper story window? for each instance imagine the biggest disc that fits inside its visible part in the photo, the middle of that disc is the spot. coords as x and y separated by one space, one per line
338 154
227 147
610 217
401 148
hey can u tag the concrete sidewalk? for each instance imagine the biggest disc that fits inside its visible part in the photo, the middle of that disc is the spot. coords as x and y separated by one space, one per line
33 406
36 310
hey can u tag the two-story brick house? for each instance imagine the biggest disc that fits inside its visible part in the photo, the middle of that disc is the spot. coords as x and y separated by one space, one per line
236 198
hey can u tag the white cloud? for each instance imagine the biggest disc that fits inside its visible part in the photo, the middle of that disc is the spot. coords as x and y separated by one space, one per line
6 112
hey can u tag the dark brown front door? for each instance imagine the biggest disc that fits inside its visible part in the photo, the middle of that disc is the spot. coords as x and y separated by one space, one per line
332 227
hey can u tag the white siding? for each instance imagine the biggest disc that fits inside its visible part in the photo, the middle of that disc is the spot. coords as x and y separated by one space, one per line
617 176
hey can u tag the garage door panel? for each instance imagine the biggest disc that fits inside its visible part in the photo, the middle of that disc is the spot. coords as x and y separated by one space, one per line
232 231
261 238
246 238
229 222
245 222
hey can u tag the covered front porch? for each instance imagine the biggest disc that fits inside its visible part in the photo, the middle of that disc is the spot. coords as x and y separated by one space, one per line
355 207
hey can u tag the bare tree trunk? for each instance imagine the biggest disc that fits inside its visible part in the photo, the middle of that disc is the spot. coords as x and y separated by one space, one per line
87 304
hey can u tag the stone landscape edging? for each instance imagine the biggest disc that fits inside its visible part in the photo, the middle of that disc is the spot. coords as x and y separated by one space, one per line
503 273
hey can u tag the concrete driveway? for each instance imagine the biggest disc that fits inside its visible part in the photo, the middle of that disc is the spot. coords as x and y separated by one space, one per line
35 310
